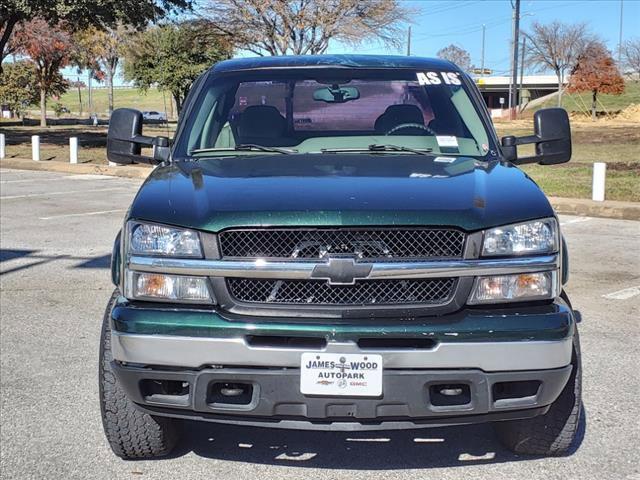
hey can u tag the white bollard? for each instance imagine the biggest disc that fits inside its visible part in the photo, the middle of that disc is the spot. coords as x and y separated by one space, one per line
599 174
2 146
73 149
35 147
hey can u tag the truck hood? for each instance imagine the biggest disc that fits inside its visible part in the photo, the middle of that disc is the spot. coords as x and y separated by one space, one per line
337 189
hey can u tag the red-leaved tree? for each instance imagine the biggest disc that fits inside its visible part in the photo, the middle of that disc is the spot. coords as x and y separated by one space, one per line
49 48
596 72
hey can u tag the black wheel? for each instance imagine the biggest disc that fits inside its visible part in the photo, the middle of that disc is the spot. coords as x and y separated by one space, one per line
131 433
554 432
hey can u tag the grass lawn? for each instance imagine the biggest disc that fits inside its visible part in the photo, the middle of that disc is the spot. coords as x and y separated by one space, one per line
581 102
152 99
615 143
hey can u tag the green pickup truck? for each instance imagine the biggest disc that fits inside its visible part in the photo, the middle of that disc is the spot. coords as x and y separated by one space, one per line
339 243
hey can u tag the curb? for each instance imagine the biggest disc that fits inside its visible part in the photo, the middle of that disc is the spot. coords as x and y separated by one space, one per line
589 208
570 206
127 171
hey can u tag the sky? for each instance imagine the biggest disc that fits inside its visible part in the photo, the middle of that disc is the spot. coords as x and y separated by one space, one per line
440 23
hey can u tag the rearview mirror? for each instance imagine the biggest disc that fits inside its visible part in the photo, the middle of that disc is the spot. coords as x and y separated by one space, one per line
336 94
552 137
125 139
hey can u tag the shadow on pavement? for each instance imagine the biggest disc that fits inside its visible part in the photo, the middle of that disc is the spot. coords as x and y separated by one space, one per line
99 261
456 446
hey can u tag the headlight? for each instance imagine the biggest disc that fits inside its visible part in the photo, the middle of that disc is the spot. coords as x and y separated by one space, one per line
149 239
520 287
163 287
538 236
161 240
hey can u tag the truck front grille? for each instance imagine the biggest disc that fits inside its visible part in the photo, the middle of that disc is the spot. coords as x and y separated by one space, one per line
366 244
435 291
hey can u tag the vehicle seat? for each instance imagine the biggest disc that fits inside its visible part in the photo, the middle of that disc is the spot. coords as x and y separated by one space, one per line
396 115
262 125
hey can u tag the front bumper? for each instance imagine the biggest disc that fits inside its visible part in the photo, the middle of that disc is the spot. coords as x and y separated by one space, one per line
194 352
409 397
195 349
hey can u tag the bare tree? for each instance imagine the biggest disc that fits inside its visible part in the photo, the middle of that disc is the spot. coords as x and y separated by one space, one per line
631 56
457 55
278 27
556 47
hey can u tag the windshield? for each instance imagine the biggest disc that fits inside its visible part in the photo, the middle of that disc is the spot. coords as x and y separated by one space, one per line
333 110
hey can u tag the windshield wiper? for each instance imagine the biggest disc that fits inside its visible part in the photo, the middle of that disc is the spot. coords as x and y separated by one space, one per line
244 147
379 148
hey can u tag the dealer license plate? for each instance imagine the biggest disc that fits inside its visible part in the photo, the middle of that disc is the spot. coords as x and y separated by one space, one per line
340 374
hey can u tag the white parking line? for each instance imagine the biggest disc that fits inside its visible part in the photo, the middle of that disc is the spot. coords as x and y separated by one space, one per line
31 195
90 176
84 214
623 294
575 220
36 180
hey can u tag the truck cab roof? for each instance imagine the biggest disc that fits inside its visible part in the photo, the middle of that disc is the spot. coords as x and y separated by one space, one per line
333 61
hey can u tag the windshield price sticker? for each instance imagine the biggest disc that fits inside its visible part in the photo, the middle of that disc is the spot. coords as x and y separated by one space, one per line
338 374
447 141
438 78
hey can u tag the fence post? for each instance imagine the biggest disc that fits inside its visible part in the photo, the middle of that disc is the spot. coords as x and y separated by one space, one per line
2 146
35 148
599 174
73 149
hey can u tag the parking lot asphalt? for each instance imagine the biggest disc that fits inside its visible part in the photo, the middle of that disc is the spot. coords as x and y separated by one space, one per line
56 236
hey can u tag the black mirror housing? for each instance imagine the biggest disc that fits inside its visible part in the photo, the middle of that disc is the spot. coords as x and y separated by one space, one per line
552 137
125 139
553 127
125 124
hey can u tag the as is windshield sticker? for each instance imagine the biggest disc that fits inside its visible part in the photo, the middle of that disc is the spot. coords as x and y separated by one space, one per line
438 78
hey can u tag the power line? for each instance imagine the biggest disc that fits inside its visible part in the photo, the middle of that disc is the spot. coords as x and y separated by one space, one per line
452 6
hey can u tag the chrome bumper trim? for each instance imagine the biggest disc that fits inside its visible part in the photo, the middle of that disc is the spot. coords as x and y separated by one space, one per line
297 270
195 352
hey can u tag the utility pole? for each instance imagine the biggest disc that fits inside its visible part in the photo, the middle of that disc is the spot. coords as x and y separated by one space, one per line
620 37
482 56
409 42
513 86
524 47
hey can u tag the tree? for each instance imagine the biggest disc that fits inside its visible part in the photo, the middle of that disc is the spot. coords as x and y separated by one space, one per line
596 72
277 27
457 55
79 14
18 87
48 49
631 55
172 56
101 51
556 46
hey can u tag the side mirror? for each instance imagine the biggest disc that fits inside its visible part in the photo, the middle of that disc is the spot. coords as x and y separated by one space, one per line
552 137
125 139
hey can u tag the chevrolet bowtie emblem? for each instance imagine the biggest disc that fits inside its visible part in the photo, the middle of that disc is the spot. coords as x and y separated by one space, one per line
341 270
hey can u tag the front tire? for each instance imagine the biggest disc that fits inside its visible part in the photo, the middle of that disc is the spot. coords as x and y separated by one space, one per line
131 433
553 433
